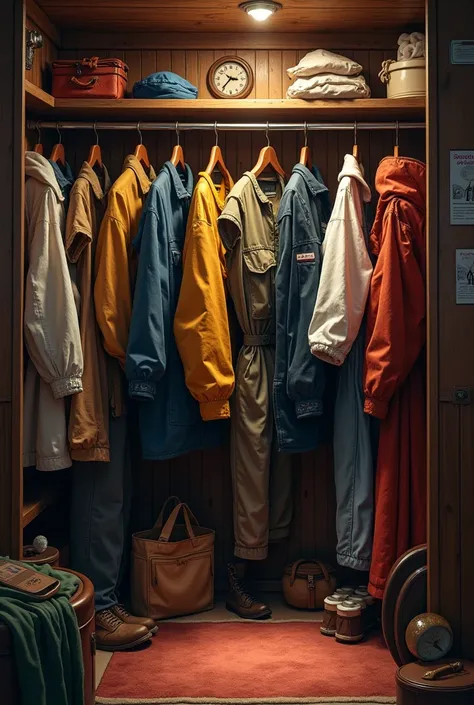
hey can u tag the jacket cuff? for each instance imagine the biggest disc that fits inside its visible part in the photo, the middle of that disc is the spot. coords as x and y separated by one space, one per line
66 386
213 410
327 354
376 407
309 407
142 390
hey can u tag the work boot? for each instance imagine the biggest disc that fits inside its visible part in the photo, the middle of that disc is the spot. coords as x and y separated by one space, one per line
114 635
240 600
120 612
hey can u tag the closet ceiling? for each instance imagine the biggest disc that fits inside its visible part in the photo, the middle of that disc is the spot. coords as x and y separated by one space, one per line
224 15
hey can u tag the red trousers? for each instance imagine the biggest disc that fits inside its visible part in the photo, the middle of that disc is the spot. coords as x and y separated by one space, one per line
400 485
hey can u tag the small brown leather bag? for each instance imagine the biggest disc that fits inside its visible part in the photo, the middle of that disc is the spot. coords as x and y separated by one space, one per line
173 566
307 582
89 78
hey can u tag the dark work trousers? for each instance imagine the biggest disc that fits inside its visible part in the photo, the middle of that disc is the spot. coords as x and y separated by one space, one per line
100 514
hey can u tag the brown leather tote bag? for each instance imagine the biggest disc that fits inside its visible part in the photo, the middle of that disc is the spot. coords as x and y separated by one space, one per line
307 582
173 566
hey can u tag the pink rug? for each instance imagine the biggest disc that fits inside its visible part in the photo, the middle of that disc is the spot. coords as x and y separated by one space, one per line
270 662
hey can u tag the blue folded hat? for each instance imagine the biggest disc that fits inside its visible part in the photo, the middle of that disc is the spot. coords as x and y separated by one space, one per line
164 84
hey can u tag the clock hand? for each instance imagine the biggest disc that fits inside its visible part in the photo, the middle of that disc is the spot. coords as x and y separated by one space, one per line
225 84
436 645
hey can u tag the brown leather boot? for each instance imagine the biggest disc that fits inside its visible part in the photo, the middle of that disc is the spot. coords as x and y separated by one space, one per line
114 635
120 612
240 600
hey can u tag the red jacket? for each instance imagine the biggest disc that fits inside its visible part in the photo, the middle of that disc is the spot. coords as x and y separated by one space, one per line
394 385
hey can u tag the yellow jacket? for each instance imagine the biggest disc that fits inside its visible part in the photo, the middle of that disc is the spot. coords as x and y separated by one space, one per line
201 325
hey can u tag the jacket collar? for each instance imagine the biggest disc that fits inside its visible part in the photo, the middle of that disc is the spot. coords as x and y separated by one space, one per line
351 168
312 178
39 168
88 173
145 180
220 201
64 176
257 188
183 190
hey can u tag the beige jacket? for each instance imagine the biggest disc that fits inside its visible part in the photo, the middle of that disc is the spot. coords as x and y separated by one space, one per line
346 270
51 325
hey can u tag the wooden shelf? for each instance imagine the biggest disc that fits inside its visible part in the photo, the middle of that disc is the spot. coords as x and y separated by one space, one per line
36 500
274 110
38 102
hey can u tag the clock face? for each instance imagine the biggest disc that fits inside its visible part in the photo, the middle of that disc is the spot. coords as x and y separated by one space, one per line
230 78
434 643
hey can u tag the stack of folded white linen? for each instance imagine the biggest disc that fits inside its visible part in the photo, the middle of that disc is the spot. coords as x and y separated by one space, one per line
321 74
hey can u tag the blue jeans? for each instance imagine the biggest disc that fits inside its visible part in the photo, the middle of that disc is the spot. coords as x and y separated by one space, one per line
354 463
100 514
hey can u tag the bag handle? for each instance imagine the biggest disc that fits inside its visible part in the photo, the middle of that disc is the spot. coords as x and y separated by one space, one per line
169 526
156 530
84 84
92 63
297 564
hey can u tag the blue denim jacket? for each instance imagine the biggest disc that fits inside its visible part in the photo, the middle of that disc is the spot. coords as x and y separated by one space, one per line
164 84
299 377
170 421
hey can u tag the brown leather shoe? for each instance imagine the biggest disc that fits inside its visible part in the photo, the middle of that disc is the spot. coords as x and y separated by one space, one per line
240 600
120 612
114 635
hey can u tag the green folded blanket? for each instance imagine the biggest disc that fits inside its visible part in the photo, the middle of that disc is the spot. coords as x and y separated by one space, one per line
46 643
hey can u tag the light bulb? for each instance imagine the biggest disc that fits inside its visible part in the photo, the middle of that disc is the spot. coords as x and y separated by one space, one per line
260 14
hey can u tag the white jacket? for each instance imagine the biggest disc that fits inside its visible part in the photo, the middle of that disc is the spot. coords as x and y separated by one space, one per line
345 273
51 324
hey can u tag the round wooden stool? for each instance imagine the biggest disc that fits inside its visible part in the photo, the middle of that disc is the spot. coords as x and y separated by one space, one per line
454 689
83 603
50 556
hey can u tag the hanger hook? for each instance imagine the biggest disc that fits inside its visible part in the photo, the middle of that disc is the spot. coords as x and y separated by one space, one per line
38 130
60 139
355 131
267 132
397 133
139 132
177 132
96 133
305 134
215 132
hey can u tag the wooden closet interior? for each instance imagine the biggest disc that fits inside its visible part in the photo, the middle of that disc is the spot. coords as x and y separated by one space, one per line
157 35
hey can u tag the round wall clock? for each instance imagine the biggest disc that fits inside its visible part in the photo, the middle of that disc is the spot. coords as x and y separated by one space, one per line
429 637
230 77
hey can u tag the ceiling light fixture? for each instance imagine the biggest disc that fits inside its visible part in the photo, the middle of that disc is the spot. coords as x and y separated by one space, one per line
260 11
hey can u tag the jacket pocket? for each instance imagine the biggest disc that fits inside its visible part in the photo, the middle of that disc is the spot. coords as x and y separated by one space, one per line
308 269
259 263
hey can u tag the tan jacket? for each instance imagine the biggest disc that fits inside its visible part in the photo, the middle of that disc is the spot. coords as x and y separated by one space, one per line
346 271
51 323
89 414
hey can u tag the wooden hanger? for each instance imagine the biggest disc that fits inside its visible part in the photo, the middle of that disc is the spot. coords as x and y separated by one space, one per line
141 151
38 148
355 148
268 158
216 161
305 154
95 152
177 157
58 154
396 151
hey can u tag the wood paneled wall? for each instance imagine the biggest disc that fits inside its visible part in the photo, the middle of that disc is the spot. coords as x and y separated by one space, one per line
203 479
40 74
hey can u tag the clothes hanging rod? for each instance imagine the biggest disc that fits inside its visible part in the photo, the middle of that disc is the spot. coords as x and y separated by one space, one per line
225 126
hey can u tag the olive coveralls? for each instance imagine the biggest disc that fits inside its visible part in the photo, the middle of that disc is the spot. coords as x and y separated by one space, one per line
261 476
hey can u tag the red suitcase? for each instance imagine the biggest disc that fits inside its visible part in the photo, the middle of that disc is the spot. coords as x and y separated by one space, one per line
89 78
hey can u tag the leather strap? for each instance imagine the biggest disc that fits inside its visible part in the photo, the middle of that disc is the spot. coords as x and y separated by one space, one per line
84 84
92 63
156 530
297 564
169 526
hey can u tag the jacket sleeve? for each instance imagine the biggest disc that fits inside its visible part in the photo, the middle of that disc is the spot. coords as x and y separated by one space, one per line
396 316
306 376
344 285
51 322
146 352
201 325
112 289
